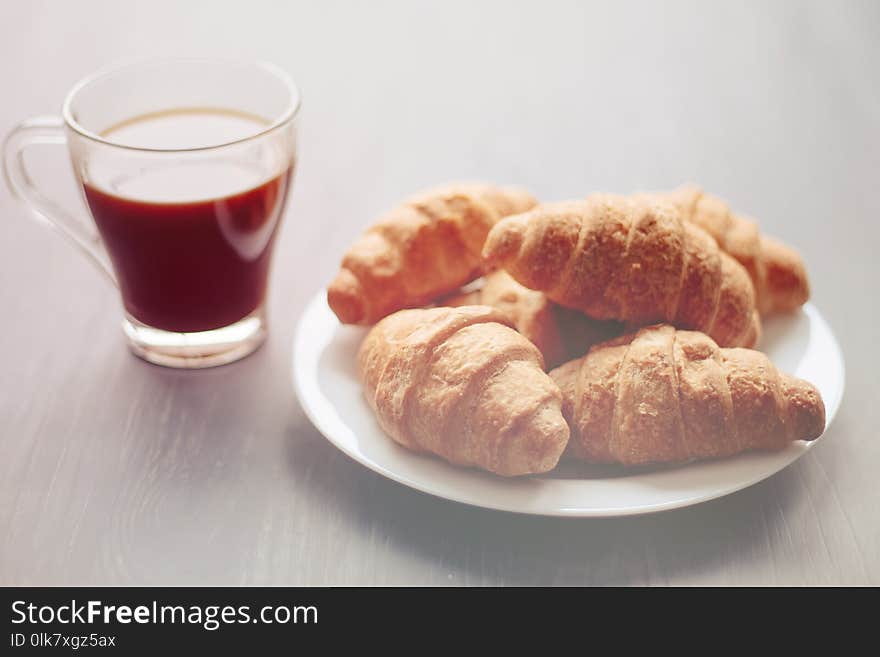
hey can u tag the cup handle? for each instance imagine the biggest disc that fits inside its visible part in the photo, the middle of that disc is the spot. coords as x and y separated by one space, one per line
48 130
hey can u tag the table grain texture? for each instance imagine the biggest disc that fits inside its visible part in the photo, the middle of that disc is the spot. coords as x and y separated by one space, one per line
113 471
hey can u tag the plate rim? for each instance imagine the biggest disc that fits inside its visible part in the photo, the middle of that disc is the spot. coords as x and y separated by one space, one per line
304 354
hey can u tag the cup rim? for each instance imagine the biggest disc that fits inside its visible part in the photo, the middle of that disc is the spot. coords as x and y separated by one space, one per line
289 114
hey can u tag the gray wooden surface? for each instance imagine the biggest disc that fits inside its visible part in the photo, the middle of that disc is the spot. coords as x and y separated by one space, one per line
113 471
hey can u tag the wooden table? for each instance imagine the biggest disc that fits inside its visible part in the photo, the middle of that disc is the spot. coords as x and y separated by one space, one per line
113 471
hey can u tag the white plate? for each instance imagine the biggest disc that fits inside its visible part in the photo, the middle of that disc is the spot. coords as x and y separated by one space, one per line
325 378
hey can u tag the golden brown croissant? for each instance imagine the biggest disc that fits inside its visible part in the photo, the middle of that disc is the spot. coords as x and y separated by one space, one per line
559 333
777 271
426 247
462 384
662 395
632 260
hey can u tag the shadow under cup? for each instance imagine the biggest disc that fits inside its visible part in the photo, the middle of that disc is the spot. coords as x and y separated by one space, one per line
185 166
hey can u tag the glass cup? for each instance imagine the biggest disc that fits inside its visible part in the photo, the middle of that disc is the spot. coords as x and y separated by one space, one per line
184 165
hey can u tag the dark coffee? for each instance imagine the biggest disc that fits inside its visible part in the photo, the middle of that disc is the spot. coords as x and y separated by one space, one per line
186 259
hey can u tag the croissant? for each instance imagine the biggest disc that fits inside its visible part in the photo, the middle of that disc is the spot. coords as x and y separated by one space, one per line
777 271
632 260
663 395
462 384
559 333
426 247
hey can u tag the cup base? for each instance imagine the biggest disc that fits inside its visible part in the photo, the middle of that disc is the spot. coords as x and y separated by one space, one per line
199 349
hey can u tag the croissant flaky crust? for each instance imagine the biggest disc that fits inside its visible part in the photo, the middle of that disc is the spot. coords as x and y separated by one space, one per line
559 333
462 384
634 260
426 247
777 271
528 311
663 395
